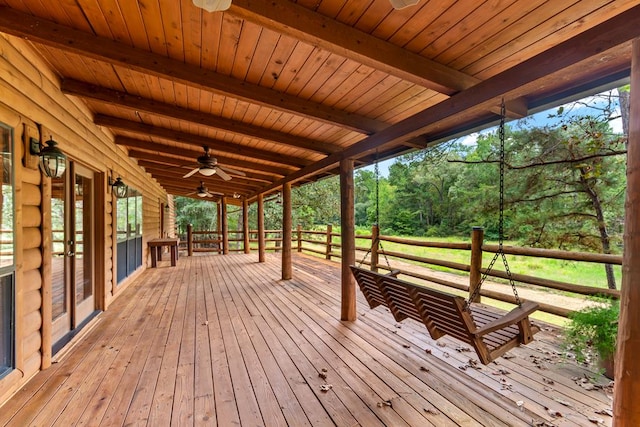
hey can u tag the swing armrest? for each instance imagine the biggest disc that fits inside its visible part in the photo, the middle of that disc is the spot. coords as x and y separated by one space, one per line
393 273
512 317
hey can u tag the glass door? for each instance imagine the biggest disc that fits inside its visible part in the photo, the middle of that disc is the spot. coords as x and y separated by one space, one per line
73 284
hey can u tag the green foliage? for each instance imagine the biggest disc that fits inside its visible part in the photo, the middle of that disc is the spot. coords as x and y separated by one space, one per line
202 214
593 329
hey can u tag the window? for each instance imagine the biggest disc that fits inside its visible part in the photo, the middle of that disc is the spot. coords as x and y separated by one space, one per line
129 231
7 305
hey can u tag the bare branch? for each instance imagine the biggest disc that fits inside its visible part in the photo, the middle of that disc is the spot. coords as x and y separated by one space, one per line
541 163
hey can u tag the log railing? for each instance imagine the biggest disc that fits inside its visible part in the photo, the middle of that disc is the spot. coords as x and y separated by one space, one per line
323 243
326 243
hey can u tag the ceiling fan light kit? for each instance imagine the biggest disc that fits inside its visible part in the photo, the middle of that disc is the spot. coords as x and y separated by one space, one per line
207 171
213 5
400 4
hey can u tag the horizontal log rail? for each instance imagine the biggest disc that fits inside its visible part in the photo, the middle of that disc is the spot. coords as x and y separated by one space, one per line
311 241
326 243
556 254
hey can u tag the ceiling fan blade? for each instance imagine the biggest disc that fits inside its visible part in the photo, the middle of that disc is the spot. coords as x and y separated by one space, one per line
190 194
223 174
232 171
209 194
191 173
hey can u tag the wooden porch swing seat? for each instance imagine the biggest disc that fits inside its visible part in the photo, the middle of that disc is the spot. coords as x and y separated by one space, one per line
491 334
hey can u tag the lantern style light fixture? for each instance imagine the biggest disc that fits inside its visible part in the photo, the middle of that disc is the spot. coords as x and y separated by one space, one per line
52 161
120 189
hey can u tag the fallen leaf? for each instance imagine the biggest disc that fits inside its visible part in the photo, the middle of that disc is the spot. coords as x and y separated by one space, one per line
431 411
406 345
422 368
554 413
325 387
563 402
323 375
596 420
441 344
607 412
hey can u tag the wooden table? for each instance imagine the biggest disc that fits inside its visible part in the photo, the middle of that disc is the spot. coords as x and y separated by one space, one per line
155 246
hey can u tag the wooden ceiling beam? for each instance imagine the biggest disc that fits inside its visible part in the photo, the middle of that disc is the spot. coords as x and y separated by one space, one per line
185 169
49 33
318 30
484 96
189 185
138 103
188 155
193 181
198 140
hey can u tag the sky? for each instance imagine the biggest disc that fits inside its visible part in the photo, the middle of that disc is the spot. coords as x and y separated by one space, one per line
538 119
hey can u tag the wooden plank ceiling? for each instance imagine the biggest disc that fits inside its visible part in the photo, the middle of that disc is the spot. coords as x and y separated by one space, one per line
281 91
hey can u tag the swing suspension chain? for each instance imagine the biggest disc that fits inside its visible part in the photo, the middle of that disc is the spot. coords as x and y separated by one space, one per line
378 241
500 252
377 173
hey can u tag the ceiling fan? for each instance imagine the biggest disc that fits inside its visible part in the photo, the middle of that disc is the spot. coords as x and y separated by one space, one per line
203 191
208 165
220 5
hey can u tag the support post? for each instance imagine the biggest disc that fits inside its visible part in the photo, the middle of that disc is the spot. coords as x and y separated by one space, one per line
475 264
189 240
347 232
225 227
375 247
261 249
245 225
299 232
329 238
626 411
286 231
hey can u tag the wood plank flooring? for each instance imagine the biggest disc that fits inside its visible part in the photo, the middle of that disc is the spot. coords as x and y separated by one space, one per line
221 340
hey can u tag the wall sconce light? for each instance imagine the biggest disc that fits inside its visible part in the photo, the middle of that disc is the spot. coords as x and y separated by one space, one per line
119 187
166 208
52 161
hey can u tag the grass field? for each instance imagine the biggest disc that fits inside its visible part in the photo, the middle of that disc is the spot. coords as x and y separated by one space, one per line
579 273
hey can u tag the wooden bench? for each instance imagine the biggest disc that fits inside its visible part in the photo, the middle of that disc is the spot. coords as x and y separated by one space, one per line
490 333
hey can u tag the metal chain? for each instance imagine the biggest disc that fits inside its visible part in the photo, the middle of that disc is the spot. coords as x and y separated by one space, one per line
378 241
500 252
377 173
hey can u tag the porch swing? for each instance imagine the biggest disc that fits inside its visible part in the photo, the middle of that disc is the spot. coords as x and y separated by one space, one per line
491 334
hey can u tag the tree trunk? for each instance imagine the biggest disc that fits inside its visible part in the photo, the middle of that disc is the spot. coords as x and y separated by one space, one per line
623 97
602 226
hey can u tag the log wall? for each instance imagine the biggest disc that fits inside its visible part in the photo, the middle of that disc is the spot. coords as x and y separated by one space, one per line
32 102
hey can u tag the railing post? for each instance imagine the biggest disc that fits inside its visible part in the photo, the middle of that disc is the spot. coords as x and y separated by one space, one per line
375 247
299 232
329 238
189 239
475 264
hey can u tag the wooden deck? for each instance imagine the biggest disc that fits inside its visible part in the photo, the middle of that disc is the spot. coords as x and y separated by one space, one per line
220 340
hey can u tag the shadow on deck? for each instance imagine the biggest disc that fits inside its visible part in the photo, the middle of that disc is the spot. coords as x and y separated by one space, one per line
222 340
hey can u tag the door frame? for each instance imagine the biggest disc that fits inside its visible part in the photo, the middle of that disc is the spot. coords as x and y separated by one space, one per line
98 188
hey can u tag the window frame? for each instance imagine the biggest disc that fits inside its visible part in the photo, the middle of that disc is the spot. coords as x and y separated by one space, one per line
8 271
